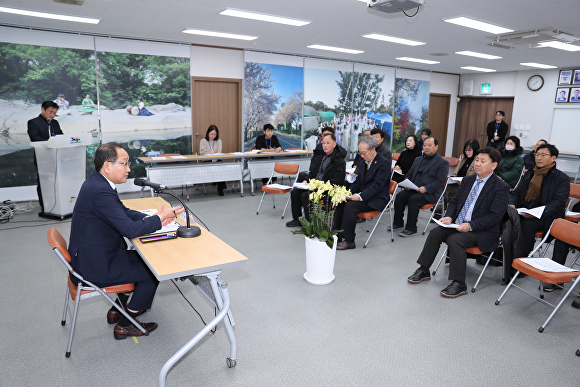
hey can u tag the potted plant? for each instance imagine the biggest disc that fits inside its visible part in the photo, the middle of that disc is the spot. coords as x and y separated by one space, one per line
320 237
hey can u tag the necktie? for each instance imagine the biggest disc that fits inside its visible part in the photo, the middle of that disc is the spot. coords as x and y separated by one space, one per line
470 198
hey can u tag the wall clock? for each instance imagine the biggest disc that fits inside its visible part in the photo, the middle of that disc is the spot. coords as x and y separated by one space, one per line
535 82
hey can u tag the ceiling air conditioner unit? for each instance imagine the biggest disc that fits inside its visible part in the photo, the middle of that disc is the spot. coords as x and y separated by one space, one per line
394 6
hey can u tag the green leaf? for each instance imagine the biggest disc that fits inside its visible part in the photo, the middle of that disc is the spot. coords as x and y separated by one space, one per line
330 242
309 231
304 222
299 232
324 235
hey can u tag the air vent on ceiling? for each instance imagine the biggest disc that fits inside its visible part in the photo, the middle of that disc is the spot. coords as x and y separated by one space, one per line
531 37
439 54
70 2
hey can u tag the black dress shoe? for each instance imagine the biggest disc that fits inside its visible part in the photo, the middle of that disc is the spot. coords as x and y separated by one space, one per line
395 227
113 316
220 191
454 290
293 223
121 333
345 246
576 302
407 233
419 276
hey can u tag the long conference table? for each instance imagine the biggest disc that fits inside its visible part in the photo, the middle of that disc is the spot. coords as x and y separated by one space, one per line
201 260
198 169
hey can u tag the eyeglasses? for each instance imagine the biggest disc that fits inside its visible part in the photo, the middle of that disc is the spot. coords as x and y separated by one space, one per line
543 155
364 153
127 164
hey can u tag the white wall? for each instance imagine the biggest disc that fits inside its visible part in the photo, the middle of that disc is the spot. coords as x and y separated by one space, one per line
217 62
503 84
447 84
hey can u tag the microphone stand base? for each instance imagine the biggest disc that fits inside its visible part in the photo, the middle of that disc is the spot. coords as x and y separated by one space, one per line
191 232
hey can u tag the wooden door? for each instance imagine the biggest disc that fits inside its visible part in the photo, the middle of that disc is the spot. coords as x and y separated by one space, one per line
217 101
439 118
473 115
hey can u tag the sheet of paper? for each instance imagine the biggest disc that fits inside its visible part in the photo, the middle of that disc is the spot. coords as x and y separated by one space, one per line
400 173
301 185
546 264
159 158
350 170
537 212
278 186
238 153
215 154
452 225
178 157
570 213
173 226
255 151
454 180
293 150
408 184
351 178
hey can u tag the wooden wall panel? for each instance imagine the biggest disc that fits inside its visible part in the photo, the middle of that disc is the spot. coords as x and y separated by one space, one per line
439 118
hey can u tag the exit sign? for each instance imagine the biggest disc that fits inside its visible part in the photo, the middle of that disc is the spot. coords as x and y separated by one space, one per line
486 88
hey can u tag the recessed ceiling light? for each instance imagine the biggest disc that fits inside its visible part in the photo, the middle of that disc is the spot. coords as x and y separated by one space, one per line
538 65
478 54
219 34
560 46
46 15
483 70
418 60
264 17
478 25
338 49
392 39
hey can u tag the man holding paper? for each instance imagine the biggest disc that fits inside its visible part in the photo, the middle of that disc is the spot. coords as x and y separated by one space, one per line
543 185
472 219
428 174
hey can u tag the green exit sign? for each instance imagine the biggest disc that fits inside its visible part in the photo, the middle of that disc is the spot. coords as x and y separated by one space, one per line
486 88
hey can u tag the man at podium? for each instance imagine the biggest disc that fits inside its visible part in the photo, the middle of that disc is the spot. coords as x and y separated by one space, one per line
42 128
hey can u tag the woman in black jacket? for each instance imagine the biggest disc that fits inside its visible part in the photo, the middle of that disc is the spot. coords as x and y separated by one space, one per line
406 158
327 165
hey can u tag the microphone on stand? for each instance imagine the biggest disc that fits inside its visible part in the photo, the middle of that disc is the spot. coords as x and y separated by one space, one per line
183 231
49 129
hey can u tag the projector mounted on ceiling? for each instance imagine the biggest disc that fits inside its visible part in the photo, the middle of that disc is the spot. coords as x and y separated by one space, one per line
394 6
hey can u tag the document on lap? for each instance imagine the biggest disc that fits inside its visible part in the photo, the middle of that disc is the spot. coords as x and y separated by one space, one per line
173 226
408 184
400 173
351 178
454 180
350 170
546 264
537 212
301 185
452 225
278 186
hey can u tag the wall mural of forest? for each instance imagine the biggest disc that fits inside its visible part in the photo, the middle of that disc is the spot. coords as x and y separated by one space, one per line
411 110
32 74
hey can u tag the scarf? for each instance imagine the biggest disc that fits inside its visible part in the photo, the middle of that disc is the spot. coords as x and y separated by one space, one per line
535 186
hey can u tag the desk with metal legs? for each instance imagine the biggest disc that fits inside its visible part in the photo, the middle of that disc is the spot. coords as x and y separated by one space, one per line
201 259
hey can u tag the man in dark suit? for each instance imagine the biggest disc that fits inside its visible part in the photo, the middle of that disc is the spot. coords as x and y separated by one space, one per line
97 248
370 191
42 128
428 173
477 209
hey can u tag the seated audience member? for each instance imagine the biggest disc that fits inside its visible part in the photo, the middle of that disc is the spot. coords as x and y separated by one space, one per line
382 146
530 158
424 134
100 222
326 130
478 209
408 155
268 142
512 163
357 158
370 191
327 165
428 173
544 185
464 168
212 144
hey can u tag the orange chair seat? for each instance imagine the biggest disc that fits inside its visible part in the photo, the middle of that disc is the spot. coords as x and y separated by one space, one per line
474 250
539 234
275 190
369 214
427 206
124 288
549 278
573 218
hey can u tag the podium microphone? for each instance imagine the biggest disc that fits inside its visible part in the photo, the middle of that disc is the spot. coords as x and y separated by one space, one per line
183 231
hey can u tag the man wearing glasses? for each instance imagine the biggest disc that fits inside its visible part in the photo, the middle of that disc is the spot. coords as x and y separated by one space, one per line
543 185
97 247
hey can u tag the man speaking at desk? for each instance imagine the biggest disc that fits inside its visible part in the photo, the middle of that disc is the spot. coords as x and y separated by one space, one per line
97 248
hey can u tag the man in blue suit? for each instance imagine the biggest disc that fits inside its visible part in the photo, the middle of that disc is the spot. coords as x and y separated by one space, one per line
477 210
370 191
97 248
428 173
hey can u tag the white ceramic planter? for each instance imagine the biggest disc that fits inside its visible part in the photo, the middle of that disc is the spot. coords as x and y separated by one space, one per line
319 261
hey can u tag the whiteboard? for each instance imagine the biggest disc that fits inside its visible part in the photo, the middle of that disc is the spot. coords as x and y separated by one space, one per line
565 125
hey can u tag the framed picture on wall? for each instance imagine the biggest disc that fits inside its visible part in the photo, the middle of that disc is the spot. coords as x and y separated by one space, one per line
565 77
576 79
575 94
562 94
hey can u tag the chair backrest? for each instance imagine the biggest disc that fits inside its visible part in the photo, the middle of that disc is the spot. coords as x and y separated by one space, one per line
396 156
566 231
56 240
286 168
575 191
393 187
453 161
569 166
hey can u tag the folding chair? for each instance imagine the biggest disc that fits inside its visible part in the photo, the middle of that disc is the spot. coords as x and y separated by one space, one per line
435 205
567 232
395 159
569 166
372 214
280 169
574 194
84 289
453 162
474 251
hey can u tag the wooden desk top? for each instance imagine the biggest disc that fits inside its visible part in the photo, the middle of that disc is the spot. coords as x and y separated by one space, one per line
226 156
183 256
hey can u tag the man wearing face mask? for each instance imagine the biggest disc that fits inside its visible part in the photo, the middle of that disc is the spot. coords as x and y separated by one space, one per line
42 128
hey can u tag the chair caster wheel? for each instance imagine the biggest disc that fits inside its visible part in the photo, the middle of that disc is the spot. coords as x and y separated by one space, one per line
252 194
433 272
67 355
231 363
473 290
578 352
63 323
497 302
364 246
541 329
542 296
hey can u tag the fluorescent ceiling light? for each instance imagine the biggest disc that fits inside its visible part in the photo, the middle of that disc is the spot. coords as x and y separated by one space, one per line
483 70
417 60
560 46
478 25
219 34
46 15
478 54
264 17
392 39
538 65
337 49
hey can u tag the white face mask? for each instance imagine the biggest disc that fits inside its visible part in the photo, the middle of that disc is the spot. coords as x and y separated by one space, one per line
509 147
